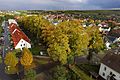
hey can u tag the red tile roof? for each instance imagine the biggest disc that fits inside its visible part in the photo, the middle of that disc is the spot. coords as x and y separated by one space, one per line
17 34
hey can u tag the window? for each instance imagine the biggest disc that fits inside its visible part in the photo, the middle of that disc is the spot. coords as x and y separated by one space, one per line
105 68
103 74
24 44
21 44
22 41
111 73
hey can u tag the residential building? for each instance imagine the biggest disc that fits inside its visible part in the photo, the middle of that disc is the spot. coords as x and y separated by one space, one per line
20 40
110 65
115 33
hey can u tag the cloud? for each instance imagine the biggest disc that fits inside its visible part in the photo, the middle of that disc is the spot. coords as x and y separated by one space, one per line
78 1
59 4
105 3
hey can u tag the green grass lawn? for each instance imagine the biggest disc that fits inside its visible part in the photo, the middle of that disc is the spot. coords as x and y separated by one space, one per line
41 76
41 61
80 73
0 30
35 50
0 59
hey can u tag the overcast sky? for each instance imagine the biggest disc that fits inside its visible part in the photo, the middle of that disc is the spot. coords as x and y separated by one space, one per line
58 4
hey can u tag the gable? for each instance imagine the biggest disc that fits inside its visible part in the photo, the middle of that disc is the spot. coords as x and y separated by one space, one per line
22 43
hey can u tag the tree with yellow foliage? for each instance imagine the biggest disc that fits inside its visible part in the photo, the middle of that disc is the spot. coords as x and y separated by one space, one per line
59 47
96 40
27 58
11 70
96 43
11 59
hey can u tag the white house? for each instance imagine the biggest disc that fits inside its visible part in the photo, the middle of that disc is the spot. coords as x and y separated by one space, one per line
22 43
110 65
20 40
104 29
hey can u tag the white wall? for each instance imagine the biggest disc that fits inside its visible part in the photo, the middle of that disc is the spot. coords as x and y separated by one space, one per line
108 45
107 72
117 39
22 43
102 29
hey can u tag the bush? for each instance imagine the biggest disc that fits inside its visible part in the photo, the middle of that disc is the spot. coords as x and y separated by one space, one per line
59 73
30 74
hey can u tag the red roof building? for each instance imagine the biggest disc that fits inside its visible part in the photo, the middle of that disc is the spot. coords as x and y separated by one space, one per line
17 34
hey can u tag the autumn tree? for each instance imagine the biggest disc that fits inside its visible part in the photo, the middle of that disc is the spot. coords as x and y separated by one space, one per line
96 43
96 40
78 38
64 41
59 47
11 59
11 70
36 24
26 58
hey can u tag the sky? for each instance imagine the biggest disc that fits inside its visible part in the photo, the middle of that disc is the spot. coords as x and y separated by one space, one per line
58 4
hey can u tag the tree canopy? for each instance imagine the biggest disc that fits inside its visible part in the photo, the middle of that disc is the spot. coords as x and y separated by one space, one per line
67 39
26 58
11 59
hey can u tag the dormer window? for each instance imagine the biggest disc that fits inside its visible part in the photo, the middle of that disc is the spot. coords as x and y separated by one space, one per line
105 68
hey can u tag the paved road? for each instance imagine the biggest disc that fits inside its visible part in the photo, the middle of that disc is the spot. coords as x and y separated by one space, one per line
6 38
3 75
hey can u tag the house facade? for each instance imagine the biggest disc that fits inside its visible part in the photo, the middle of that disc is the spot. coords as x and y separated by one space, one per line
22 43
106 73
104 29
20 40
110 65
